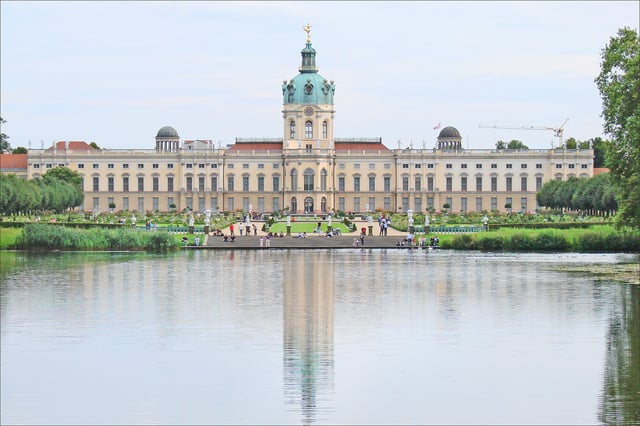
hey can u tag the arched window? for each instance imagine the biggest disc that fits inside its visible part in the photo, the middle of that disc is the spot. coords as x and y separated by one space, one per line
325 130
294 205
323 204
294 180
292 129
323 180
308 180
308 130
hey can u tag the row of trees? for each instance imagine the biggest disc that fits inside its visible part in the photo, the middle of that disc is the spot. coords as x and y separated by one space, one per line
58 190
594 195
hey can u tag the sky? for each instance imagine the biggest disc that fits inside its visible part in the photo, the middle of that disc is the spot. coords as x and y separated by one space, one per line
114 73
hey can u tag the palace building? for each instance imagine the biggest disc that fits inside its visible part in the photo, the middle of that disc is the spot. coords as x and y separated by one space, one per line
308 169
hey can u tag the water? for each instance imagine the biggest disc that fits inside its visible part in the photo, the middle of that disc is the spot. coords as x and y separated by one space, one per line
316 337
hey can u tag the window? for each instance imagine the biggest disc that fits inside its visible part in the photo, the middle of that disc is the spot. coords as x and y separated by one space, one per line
463 204
372 183
140 165
523 204
584 166
155 165
276 165
96 183
372 166
523 165
341 166
387 183
110 184
523 183
308 148
308 180
494 184
356 204
155 203
494 166
538 183
156 184
417 184
417 202
201 185
463 166
125 184
478 204
323 180
245 165
429 203
245 183
356 183
37 166
449 184
231 204
509 184
479 183
341 203
387 166
189 183
169 202
170 166
294 181
558 166
325 131
405 166
387 203
214 183
405 203
538 166
276 183
261 165
478 165
48 165
418 166
292 129
308 130
430 184
170 183
110 166
95 165
572 166
230 183
372 204
449 166
140 204
463 183
356 166
125 166
430 166
341 184
509 166
96 204
494 203
190 166
276 204
140 183
405 183
261 183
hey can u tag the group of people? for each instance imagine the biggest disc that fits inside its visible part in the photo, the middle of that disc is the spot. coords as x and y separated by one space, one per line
384 223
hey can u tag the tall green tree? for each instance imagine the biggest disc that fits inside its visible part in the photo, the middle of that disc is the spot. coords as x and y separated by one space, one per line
619 86
599 147
516 144
4 143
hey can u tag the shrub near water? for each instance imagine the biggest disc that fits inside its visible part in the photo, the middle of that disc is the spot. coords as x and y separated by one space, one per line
45 237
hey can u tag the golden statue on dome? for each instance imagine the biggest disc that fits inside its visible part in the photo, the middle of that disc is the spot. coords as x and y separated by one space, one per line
307 29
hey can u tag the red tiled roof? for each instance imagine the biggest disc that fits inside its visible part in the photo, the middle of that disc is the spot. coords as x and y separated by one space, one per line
13 161
73 146
259 146
360 146
600 170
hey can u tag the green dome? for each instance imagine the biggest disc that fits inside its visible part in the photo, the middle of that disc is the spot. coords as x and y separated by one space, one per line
308 87
167 132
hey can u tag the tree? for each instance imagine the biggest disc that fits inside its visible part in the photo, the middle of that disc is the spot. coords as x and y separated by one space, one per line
94 145
20 150
517 145
619 86
4 143
599 147
501 145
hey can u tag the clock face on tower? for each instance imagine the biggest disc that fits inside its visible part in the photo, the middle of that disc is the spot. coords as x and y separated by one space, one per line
308 111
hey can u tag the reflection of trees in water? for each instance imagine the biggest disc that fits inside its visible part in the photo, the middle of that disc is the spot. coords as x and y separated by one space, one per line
620 401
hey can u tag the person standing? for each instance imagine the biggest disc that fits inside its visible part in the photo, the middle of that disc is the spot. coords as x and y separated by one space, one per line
231 228
241 227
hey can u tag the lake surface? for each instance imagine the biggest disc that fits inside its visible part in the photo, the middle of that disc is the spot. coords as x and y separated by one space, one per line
358 336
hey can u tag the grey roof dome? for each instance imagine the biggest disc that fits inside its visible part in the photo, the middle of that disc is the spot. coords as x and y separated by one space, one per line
167 132
449 132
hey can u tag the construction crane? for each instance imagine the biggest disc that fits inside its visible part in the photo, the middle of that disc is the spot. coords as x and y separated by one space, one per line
557 131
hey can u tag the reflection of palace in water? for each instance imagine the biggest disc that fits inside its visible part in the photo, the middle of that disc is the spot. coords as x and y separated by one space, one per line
308 335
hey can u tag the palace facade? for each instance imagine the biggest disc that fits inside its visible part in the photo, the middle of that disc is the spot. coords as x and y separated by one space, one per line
308 169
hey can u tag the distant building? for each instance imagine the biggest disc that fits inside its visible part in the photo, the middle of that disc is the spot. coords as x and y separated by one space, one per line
309 170
14 164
